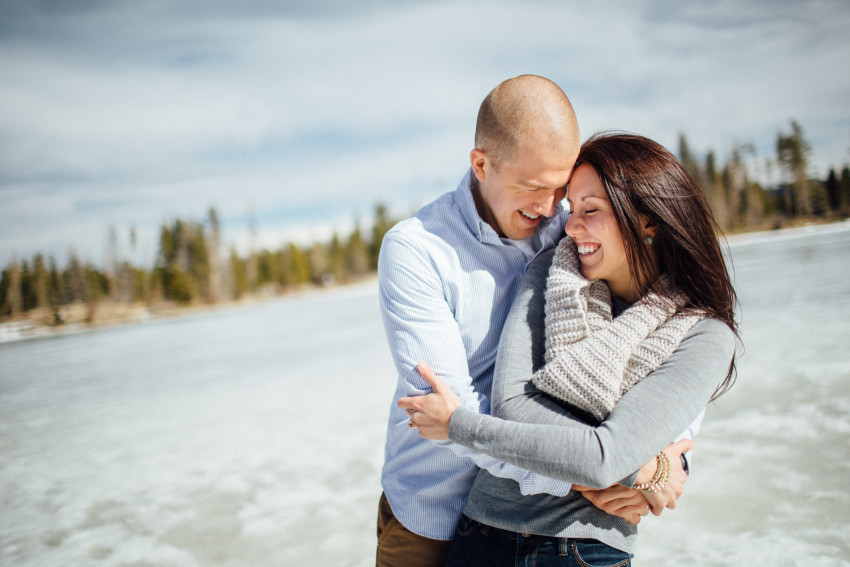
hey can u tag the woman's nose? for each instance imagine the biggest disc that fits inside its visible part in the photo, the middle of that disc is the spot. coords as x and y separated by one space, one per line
573 226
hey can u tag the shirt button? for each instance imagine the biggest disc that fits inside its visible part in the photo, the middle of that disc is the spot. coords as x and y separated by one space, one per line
525 535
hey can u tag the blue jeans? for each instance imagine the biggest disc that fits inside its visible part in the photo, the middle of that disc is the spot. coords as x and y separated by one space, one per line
477 544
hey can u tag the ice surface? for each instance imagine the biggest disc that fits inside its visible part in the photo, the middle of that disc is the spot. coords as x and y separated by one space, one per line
251 436
254 436
769 485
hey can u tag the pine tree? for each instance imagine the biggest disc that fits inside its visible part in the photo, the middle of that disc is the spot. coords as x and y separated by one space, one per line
336 255
41 282
737 185
214 251
793 154
382 225
358 254
319 261
198 260
174 263
251 265
300 265
716 191
56 291
844 190
690 164
112 261
833 190
13 304
97 287
75 280
27 288
285 273
240 275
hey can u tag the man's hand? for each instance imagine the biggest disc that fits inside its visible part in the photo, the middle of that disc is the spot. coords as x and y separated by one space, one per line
431 413
617 500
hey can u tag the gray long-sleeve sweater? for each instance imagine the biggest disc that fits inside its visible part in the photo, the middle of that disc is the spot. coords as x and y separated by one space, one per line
534 431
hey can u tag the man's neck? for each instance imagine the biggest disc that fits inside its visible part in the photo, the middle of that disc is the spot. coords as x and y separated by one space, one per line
483 210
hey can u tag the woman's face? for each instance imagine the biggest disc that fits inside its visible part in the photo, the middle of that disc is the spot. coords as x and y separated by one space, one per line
594 228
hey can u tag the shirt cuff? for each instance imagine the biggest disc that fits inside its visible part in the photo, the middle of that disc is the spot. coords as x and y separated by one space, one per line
537 484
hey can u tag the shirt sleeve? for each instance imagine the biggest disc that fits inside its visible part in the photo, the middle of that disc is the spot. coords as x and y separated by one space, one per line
538 433
420 326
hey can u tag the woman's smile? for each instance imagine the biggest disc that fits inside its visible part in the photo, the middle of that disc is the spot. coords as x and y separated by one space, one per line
594 228
586 248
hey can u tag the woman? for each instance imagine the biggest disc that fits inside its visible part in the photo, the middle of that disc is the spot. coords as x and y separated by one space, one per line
639 224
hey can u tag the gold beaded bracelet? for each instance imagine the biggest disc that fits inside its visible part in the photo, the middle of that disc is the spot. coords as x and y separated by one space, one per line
659 479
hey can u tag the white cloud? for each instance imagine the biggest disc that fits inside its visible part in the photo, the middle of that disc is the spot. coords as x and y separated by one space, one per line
160 110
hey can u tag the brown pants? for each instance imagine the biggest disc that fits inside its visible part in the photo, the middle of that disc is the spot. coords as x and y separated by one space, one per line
400 547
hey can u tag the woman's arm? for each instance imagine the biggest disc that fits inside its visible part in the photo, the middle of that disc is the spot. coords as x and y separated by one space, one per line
552 440
555 440
647 417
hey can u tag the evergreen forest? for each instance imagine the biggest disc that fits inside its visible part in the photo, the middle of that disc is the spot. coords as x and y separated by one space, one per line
193 269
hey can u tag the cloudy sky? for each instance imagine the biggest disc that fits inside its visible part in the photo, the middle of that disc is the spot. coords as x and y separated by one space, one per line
302 115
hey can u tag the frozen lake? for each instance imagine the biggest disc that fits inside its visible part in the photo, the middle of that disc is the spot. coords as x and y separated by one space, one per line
254 435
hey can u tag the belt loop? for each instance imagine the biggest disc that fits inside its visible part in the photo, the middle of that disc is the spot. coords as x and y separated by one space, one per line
562 547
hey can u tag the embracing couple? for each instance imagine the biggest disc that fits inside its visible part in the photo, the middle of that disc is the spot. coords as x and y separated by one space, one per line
554 366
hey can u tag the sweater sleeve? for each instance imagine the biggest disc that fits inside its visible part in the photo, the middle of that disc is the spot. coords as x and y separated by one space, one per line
534 431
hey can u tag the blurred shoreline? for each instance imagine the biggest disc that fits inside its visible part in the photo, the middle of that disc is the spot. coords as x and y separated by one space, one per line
807 228
79 317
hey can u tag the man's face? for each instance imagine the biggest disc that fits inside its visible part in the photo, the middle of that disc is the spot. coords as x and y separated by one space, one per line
515 197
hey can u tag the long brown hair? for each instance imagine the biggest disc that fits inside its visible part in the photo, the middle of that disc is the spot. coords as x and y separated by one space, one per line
641 177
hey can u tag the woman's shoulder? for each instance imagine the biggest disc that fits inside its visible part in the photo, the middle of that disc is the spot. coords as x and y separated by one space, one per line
538 269
712 333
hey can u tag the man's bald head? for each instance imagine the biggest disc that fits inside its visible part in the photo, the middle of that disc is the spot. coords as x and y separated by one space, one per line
528 110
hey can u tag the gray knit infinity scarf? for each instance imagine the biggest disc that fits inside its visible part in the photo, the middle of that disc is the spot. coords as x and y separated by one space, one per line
592 359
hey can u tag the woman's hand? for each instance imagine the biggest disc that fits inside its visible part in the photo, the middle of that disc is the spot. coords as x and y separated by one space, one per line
629 503
431 413
667 496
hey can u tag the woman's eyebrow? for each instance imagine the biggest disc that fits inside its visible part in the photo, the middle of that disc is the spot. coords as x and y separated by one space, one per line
586 197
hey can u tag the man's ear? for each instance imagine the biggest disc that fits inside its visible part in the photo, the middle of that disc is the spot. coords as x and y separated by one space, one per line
478 160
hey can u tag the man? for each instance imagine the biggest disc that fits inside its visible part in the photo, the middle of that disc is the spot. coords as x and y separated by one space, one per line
448 276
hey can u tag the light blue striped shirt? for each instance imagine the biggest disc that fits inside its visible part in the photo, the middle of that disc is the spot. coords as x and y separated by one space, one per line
447 282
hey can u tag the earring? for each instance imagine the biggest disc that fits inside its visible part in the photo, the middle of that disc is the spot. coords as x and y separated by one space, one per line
648 239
